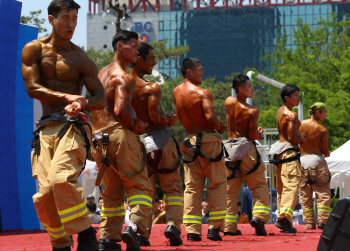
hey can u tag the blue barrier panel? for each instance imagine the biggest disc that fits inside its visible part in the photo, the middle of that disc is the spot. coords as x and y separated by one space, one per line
10 13
24 128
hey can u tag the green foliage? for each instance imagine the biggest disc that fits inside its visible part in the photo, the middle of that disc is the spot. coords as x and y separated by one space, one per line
162 52
34 20
319 65
100 58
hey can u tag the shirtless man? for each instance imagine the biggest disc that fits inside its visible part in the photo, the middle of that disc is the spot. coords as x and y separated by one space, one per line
118 151
317 178
54 71
164 160
284 154
242 120
194 107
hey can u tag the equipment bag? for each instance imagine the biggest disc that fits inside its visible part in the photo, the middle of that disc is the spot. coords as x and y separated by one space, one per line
336 233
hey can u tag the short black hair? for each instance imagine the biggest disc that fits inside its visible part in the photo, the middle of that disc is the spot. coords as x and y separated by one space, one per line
239 81
287 90
91 206
188 63
204 199
123 37
56 6
125 199
156 199
100 199
143 51
239 203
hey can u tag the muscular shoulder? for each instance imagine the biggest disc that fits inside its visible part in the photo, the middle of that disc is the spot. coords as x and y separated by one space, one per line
230 101
153 88
290 115
83 57
123 80
323 129
32 50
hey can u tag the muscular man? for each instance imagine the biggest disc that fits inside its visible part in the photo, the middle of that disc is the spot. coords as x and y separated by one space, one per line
317 178
284 154
194 107
118 151
244 158
162 154
54 71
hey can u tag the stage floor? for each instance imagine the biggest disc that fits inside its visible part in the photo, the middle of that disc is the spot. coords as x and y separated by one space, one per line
304 240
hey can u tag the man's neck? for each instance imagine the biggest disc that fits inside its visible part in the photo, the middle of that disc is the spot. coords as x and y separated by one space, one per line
289 106
121 61
92 212
137 73
58 42
313 119
241 98
189 81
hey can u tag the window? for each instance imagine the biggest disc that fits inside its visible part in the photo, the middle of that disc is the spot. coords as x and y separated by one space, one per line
105 27
105 46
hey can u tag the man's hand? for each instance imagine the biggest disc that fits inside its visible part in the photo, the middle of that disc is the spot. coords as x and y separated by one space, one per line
173 118
73 109
261 132
222 127
140 126
75 98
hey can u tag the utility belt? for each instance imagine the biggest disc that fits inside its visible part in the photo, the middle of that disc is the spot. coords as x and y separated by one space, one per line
159 153
64 118
198 153
238 164
311 177
276 163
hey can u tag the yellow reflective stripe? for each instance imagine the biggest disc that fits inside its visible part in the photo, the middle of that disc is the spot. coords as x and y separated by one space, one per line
217 212
310 209
234 221
71 209
174 203
112 208
192 221
141 196
324 210
55 232
74 216
112 215
216 217
287 210
308 213
323 207
140 202
53 229
261 211
261 207
174 198
192 216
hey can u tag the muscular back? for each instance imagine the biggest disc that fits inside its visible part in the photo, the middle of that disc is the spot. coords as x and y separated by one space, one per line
317 136
241 118
288 125
119 87
192 113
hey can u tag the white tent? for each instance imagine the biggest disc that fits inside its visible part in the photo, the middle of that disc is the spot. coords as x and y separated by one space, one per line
89 177
339 166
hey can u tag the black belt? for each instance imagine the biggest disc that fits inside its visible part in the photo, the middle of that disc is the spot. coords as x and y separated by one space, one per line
296 157
238 164
198 153
154 164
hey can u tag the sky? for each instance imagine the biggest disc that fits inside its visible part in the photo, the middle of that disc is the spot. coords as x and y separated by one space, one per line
79 37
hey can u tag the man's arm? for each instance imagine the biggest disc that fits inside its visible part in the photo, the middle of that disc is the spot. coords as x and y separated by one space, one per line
209 113
292 129
94 87
324 143
31 75
254 133
156 114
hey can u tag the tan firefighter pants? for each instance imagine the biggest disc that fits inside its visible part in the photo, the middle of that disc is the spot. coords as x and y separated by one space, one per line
195 174
126 174
257 184
60 202
171 184
288 180
323 197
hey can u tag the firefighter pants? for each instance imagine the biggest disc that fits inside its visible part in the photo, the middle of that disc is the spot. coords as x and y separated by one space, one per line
60 202
195 174
171 184
125 174
288 179
256 182
323 196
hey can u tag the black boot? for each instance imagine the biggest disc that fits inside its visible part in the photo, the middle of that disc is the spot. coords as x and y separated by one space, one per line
110 245
213 234
194 237
238 232
87 240
130 238
143 241
286 226
320 225
62 249
173 234
259 227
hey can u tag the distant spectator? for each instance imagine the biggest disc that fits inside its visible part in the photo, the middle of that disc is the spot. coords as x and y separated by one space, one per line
127 210
161 205
91 206
159 216
100 205
242 218
205 211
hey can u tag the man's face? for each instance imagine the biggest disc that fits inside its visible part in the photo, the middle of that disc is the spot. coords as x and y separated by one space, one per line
100 203
130 50
321 115
196 73
205 204
247 89
65 22
294 98
148 63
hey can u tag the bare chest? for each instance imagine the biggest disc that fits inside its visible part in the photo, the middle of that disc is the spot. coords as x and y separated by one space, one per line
64 67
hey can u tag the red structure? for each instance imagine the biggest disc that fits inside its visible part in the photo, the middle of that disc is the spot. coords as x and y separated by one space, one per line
95 3
218 4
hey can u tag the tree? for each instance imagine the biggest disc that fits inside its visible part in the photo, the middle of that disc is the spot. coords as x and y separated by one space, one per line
34 20
319 65
162 52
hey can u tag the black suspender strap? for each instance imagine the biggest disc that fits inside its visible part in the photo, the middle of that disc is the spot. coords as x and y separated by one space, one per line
105 162
296 157
35 143
238 164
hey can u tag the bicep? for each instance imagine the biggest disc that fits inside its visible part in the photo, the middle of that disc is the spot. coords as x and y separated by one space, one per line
30 66
208 107
154 105
122 99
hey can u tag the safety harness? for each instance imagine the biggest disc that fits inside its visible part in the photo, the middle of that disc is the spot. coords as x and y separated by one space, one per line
311 178
198 153
60 117
159 153
105 162
238 164
276 163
